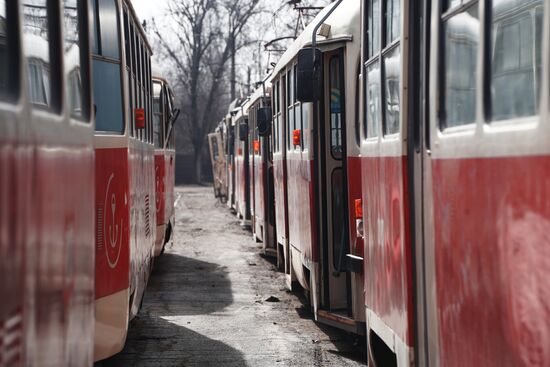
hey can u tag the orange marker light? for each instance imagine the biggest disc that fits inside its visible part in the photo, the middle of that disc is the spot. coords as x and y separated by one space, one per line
358 209
296 138
139 114
256 146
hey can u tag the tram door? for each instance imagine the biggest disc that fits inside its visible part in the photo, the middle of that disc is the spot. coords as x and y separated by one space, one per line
333 183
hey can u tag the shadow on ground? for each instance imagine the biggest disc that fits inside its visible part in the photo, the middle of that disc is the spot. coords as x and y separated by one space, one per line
156 342
181 286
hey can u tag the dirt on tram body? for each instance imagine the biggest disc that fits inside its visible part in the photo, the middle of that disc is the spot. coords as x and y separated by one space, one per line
213 300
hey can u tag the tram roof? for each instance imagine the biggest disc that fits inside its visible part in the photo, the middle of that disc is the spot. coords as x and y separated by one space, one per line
344 22
261 91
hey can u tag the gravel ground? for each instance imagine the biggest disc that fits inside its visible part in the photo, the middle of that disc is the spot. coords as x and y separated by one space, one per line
206 305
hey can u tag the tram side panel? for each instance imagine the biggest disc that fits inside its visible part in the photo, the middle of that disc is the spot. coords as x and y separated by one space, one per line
45 240
488 189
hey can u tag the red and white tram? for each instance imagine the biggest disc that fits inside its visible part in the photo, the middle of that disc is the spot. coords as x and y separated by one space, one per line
261 169
316 167
239 121
453 155
125 170
46 164
164 118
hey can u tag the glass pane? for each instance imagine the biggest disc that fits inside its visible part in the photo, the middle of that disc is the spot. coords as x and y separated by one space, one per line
336 92
306 107
339 240
516 62
37 50
393 20
374 27
449 4
373 100
4 60
72 57
95 36
290 128
461 50
107 97
157 115
392 75
108 26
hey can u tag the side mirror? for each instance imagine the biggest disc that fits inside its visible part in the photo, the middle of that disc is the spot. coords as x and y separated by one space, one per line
263 120
231 141
174 115
243 131
306 80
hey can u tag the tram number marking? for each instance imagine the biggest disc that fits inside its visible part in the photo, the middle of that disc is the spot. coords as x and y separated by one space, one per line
114 230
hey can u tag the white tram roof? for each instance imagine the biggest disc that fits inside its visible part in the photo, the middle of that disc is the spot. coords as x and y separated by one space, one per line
344 22
261 91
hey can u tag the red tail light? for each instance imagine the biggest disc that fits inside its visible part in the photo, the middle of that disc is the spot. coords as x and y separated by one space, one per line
296 138
358 209
139 114
256 146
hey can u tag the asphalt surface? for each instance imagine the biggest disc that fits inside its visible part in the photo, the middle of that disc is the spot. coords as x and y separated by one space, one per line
206 305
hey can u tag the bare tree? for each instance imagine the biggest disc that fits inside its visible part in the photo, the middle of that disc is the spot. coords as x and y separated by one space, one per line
203 36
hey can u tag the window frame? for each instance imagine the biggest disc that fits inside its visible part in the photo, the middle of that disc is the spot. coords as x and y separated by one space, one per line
385 48
100 57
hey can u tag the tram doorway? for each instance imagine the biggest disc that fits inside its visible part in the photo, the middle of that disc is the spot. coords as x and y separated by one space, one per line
333 200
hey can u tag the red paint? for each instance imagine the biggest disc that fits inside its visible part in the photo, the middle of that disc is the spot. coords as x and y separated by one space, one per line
112 221
492 254
160 183
296 137
46 240
139 114
388 259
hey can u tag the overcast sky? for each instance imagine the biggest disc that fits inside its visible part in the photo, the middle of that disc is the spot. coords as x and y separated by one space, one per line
147 9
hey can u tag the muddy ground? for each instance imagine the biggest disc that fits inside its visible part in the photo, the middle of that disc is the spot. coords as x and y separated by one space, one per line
206 303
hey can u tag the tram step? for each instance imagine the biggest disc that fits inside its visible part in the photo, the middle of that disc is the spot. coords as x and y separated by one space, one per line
341 322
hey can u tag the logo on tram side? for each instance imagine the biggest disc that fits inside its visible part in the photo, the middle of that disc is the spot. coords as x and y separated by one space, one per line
112 231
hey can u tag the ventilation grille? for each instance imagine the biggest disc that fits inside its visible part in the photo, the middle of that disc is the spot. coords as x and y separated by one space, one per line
99 228
11 339
147 217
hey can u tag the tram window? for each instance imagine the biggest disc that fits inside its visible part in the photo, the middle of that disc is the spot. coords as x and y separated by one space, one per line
372 103
5 64
461 37
305 124
290 110
73 59
392 77
126 38
36 37
393 20
158 116
336 92
517 59
373 27
108 97
108 29
357 119
275 127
